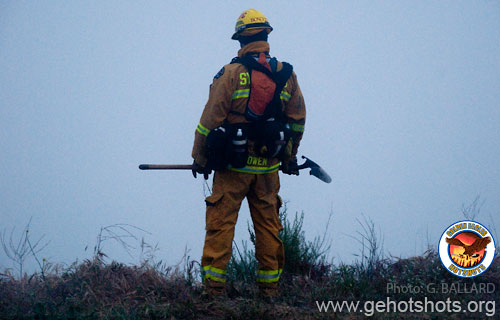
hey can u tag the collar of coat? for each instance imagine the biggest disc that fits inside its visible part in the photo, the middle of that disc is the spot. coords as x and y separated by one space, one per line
257 46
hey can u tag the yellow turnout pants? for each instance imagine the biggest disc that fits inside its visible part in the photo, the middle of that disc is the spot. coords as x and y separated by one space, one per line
228 191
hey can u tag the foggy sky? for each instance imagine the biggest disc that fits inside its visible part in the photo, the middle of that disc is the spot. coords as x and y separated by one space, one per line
403 110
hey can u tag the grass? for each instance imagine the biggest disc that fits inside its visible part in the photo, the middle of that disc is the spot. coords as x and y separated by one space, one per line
95 289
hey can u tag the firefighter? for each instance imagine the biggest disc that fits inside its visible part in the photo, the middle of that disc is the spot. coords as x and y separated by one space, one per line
251 126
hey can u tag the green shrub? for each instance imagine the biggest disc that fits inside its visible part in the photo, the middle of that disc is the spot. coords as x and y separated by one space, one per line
302 257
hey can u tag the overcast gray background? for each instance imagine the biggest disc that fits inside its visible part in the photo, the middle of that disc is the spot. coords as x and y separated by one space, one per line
403 102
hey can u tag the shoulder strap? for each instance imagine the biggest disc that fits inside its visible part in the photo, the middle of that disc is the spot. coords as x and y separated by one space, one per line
283 75
280 78
273 62
249 62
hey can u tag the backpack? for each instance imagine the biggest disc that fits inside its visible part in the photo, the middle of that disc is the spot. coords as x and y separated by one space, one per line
263 104
267 122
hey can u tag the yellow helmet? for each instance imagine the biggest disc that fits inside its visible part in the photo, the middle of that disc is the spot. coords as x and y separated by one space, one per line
251 22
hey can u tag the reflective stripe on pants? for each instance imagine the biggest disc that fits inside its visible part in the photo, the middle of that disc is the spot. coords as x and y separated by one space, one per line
212 273
269 275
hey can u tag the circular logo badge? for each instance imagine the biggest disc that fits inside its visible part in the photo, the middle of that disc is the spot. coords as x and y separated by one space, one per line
466 249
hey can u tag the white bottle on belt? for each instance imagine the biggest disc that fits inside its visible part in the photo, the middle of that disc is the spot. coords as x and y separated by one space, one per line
240 150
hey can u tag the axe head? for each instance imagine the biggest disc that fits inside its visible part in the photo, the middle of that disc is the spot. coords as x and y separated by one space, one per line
316 170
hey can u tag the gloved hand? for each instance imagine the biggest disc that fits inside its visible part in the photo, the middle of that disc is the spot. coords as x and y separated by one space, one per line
289 166
199 169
